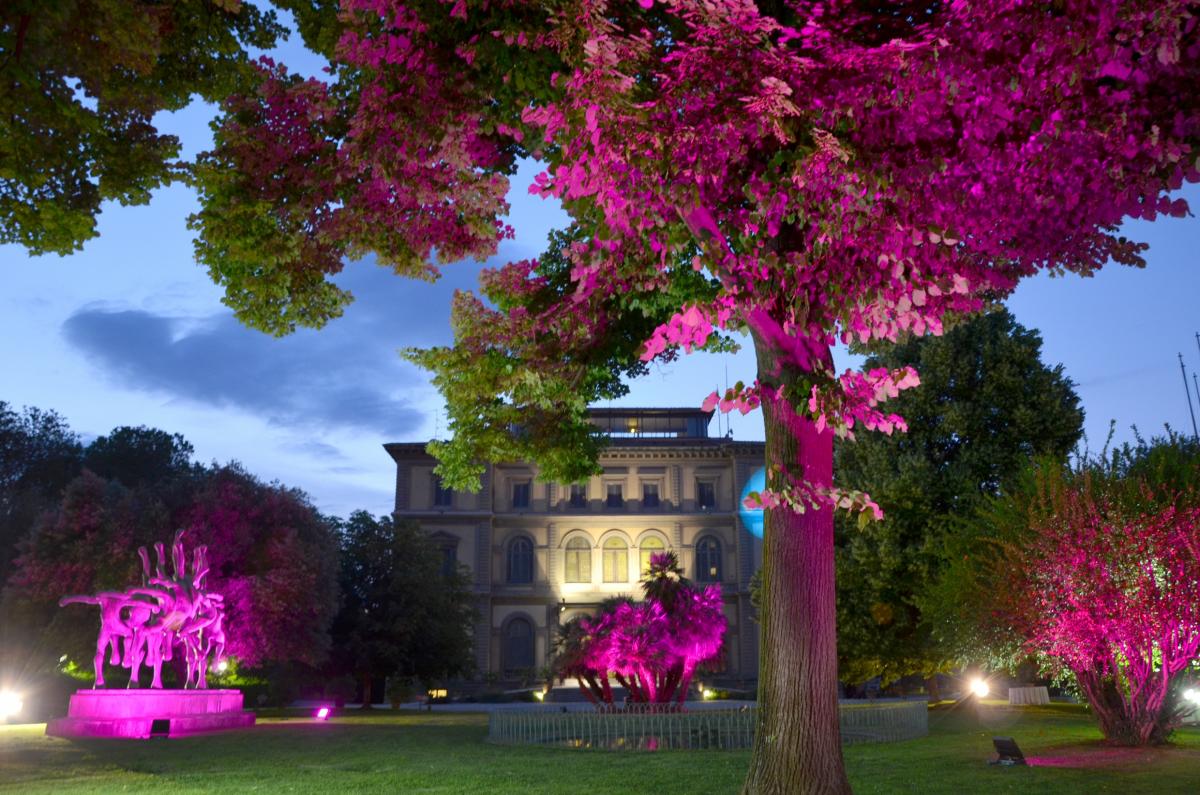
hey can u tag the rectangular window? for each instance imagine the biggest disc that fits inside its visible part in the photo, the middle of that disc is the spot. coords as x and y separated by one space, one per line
706 494
616 561
578 495
520 495
614 498
649 495
449 560
442 496
579 561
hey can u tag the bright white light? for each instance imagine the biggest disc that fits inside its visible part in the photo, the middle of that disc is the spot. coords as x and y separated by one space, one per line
709 694
979 688
10 704
539 695
222 666
1192 695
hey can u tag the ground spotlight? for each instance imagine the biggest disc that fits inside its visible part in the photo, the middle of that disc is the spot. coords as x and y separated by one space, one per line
1007 752
323 713
10 704
979 688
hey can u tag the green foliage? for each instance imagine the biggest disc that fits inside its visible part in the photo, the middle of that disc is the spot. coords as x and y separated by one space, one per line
964 607
986 406
39 455
400 615
526 397
80 84
137 456
272 556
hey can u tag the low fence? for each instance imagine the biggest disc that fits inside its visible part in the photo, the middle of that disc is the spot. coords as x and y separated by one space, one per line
639 730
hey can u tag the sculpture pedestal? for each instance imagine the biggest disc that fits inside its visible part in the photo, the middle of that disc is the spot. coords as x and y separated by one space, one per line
139 714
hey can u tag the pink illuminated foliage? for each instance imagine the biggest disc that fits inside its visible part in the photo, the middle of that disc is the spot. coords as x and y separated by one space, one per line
861 175
652 648
269 554
1113 596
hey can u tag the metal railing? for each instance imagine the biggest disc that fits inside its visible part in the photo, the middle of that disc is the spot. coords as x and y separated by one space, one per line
649 730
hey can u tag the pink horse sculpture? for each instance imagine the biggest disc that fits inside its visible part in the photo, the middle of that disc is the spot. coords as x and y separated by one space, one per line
142 625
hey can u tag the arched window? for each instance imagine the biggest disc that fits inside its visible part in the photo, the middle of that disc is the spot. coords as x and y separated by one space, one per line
651 545
520 560
579 560
616 560
708 560
518 646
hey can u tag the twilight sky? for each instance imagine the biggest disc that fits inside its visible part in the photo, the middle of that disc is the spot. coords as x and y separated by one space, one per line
130 331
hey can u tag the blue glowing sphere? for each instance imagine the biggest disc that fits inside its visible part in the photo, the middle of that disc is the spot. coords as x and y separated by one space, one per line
752 520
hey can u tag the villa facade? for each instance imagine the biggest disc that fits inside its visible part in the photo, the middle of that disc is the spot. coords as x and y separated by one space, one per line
541 553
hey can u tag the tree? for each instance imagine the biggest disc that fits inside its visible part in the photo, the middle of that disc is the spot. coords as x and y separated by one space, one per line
272 557
401 615
1106 582
1114 597
971 606
866 170
80 84
39 455
141 455
987 406
652 647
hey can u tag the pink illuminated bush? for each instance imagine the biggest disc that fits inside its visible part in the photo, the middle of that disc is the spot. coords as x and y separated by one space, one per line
1112 594
652 648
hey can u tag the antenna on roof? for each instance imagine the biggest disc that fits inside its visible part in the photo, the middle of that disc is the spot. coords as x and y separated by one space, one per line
1187 391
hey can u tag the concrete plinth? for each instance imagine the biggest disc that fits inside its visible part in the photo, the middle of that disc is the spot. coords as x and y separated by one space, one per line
139 714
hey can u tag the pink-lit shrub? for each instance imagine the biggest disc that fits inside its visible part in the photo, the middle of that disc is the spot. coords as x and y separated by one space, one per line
652 648
1111 592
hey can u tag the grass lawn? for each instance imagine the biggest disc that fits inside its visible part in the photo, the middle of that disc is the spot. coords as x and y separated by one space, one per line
446 753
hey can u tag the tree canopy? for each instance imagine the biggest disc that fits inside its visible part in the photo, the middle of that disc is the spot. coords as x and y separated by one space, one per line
986 407
39 455
80 84
134 456
971 605
401 614
272 557
1095 571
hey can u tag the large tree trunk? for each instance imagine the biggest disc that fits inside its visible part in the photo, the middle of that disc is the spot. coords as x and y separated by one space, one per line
797 744
1125 719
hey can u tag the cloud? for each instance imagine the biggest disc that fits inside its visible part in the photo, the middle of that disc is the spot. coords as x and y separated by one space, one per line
347 374
320 450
